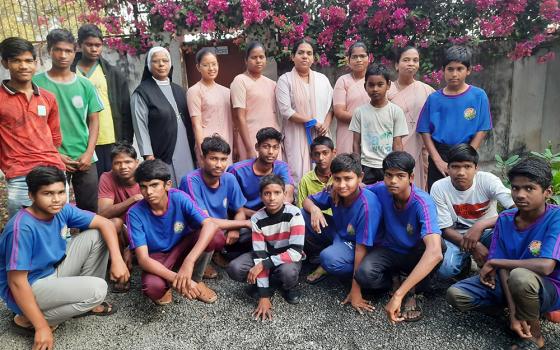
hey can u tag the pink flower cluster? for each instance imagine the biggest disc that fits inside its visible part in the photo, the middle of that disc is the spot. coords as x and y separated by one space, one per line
549 56
324 60
460 40
334 17
503 23
215 6
359 10
252 12
96 5
525 49
549 10
191 19
434 78
119 45
208 25
113 24
477 68
421 24
398 18
400 41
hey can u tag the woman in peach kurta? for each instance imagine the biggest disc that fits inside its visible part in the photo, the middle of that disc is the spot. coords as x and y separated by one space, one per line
349 93
410 95
254 102
209 103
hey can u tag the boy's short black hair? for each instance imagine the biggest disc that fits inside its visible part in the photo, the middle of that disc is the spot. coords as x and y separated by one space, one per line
12 47
378 69
267 134
458 53
87 31
149 170
57 35
123 147
537 170
271 179
214 143
43 176
322 141
347 162
462 152
399 160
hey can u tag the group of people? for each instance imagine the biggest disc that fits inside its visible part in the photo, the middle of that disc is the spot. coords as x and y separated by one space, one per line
220 183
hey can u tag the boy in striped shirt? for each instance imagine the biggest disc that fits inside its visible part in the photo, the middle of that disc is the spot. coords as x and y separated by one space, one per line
278 237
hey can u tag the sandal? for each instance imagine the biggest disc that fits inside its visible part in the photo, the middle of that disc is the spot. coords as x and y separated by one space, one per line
120 287
416 308
166 299
210 273
108 309
220 260
207 295
316 276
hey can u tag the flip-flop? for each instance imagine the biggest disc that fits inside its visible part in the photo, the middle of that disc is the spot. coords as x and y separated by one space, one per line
210 273
26 331
108 309
120 287
207 295
417 308
322 276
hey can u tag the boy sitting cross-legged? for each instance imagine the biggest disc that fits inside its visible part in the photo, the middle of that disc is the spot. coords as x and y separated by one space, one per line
278 237
46 280
410 244
342 240
522 271
168 232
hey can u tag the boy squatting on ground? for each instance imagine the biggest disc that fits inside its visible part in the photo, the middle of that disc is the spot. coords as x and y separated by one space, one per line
118 191
458 113
168 231
410 240
378 126
278 238
522 271
27 112
217 193
79 107
466 202
46 280
341 241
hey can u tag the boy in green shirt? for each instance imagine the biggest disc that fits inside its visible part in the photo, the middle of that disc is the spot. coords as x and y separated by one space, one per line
79 107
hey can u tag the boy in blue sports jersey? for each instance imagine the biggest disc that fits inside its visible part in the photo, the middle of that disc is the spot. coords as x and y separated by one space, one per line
250 171
342 241
410 243
218 194
522 271
458 113
169 232
46 280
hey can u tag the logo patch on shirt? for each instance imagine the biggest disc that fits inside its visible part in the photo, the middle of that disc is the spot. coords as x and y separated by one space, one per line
469 113
225 203
178 227
409 229
535 248
78 102
350 230
64 232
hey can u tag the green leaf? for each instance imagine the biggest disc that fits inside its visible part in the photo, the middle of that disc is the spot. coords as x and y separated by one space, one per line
499 158
512 160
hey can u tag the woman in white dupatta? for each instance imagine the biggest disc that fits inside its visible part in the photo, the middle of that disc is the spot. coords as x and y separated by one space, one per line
304 97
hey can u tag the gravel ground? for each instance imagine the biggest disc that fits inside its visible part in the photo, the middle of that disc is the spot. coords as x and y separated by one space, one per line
318 322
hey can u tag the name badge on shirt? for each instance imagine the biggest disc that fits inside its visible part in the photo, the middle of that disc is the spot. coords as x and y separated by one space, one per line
42 111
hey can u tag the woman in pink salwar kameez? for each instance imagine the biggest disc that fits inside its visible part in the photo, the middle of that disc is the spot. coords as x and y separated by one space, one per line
209 103
254 102
304 97
411 94
349 93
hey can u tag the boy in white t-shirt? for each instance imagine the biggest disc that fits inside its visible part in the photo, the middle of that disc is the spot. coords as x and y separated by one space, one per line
467 208
378 126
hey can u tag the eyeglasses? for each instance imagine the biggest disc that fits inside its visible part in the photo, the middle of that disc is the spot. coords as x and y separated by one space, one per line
358 57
